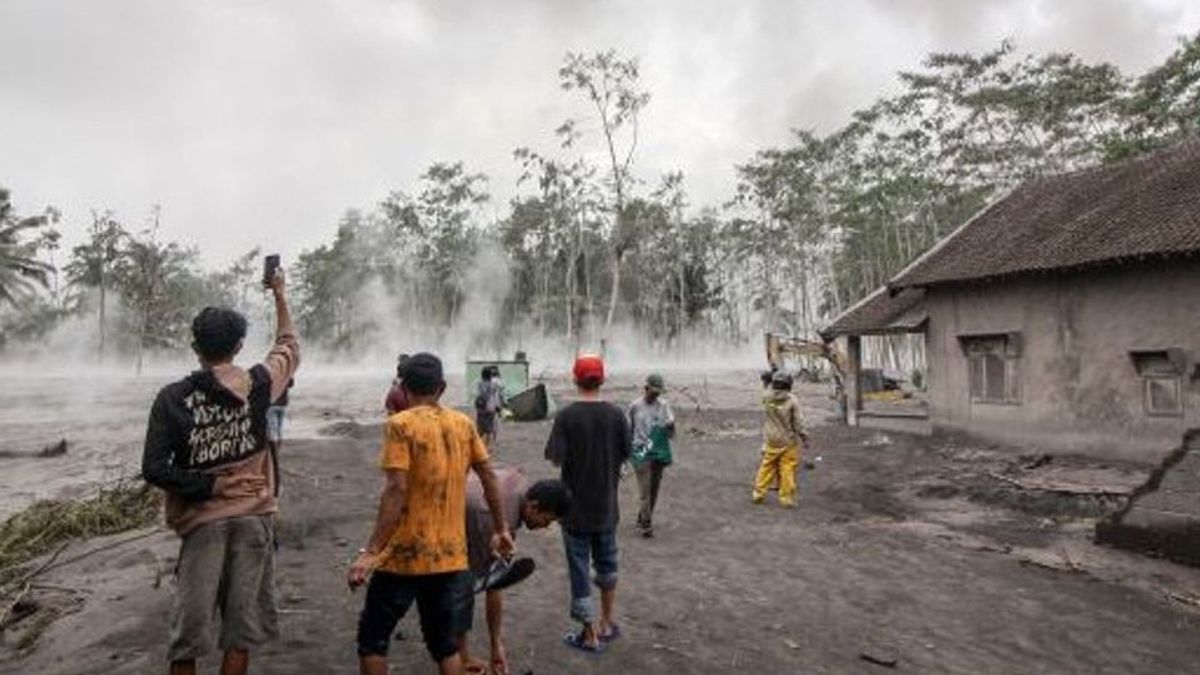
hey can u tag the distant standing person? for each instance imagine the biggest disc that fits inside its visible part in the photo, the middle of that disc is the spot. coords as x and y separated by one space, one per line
396 399
589 442
534 507
783 437
206 446
653 426
418 549
489 400
276 415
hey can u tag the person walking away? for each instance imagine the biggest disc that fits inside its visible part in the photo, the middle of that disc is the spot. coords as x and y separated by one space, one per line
206 447
534 507
489 400
653 425
396 400
418 549
783 435
589 442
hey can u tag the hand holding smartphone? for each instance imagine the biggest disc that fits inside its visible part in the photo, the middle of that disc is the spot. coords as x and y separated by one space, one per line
270 267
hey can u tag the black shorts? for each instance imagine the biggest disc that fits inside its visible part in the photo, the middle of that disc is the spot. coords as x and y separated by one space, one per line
485 423
439 597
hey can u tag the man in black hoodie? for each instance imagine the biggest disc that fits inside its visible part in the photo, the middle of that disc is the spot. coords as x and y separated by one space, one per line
206 447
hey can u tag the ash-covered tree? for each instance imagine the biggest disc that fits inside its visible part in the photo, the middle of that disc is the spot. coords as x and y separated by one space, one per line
93 264
161 290
437 231
552 238
611 84
1162 107
330 278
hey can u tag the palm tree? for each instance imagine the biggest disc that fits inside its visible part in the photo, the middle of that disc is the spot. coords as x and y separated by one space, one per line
20 270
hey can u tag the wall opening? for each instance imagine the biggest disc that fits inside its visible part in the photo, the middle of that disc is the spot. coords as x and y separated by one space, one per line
993 367
1162 380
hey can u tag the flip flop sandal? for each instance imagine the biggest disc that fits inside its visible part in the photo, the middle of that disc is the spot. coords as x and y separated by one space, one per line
614 634
575 641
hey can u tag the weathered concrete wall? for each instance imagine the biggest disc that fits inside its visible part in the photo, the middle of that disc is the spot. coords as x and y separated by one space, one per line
1080 391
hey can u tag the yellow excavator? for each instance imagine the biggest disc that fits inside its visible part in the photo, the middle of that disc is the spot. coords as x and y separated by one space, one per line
781 348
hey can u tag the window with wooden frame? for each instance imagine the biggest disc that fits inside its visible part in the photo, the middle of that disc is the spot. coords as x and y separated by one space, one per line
993 367
1162 380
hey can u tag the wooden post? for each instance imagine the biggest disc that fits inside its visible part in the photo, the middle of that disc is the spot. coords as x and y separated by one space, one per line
853 384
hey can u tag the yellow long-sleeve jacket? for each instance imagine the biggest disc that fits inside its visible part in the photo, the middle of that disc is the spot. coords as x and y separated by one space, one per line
783 426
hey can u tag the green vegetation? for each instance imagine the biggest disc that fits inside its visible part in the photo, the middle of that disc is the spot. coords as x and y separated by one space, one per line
47 524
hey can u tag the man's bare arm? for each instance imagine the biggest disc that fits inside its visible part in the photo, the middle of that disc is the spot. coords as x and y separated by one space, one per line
391 505
491 493
284 357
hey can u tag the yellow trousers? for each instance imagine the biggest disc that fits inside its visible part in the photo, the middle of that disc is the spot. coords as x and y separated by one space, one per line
778 465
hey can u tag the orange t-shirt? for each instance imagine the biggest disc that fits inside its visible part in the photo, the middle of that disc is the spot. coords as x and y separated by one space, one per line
436 447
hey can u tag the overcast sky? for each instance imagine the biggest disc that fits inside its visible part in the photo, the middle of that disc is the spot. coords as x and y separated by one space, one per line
261 122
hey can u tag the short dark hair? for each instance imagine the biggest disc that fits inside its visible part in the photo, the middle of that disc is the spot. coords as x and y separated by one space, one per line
423 374
216 332
401 364
551 495
590 383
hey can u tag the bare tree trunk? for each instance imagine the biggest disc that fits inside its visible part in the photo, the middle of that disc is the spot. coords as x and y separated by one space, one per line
141 342
682 301
570 296
102 332
612 296
805 324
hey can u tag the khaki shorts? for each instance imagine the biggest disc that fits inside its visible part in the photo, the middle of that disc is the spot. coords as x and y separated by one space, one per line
226 568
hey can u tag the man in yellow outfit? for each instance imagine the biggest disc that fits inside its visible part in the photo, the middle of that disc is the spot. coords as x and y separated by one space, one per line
784 435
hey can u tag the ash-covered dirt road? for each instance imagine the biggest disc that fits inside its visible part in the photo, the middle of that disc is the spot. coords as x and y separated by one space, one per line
902 548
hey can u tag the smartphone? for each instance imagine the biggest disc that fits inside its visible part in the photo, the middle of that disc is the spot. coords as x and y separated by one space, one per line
270 265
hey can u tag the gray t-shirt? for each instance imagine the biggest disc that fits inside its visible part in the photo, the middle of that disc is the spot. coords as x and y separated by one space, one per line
479 516
643 417
491 395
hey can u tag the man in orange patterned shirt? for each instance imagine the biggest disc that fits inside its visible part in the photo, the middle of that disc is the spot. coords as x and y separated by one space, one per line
418 551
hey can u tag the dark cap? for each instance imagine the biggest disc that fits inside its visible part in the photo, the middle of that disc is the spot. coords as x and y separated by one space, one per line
655 383
423 374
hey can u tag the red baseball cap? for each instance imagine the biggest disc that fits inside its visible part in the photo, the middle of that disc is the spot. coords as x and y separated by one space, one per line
589 367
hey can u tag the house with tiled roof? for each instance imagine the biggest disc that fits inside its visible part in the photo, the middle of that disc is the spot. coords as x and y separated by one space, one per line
1065 315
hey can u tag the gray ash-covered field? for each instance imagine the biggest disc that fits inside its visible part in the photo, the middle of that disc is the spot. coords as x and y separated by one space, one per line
902 548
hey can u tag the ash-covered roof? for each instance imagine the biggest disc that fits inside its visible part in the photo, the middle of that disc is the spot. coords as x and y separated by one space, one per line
881 312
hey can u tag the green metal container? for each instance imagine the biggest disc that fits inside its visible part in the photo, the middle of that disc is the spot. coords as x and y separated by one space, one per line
514 374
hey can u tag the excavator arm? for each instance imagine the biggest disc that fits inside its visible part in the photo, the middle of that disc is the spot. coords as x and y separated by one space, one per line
780 347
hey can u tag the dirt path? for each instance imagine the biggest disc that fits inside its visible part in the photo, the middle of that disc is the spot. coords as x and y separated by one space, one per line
894 552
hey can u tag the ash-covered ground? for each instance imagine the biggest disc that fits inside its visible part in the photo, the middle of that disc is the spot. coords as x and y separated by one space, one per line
925 552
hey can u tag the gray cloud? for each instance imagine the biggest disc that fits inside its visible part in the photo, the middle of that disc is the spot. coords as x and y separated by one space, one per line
259 123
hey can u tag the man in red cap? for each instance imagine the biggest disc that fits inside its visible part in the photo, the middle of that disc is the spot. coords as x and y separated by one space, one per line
589 442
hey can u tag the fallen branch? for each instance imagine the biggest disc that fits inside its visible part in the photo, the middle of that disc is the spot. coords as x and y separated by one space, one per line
1011 481
1189 600
27 583
699 404
106 547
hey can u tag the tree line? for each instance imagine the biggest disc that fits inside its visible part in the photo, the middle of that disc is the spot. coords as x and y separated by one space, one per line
590 245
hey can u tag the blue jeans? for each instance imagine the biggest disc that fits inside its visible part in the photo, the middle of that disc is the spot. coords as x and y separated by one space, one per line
275 415
601 549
